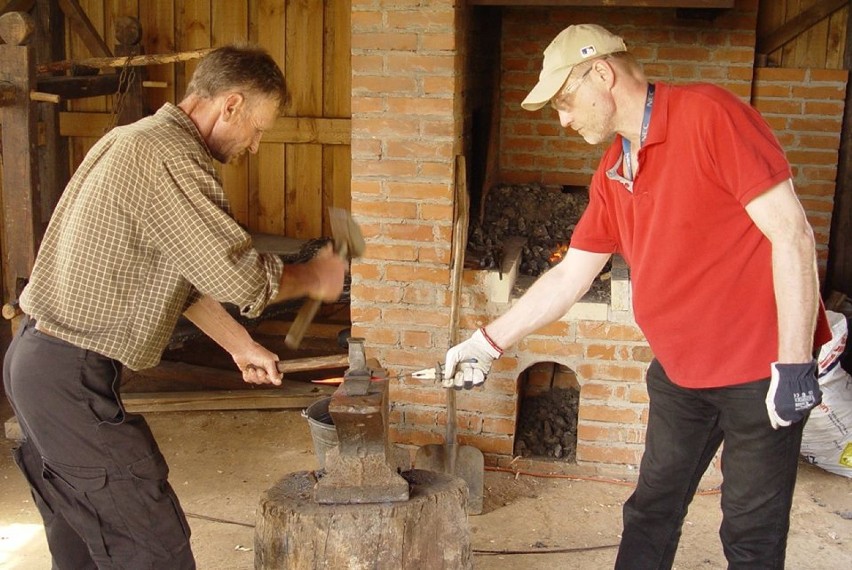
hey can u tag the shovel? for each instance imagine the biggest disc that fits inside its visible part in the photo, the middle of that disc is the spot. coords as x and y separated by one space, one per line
463 461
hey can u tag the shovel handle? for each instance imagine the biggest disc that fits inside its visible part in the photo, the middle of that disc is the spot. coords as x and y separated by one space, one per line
450 443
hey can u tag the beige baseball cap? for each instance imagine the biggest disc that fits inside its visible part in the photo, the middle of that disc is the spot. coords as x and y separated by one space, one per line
574 45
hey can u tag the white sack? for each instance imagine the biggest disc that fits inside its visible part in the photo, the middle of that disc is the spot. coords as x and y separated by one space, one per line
827 437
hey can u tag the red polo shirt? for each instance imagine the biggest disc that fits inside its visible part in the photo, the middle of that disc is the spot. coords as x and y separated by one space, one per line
701 270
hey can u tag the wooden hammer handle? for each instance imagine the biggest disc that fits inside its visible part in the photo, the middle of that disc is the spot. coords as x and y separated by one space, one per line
307 312
300 325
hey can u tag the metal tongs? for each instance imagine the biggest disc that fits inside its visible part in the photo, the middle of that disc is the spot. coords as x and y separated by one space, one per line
437 373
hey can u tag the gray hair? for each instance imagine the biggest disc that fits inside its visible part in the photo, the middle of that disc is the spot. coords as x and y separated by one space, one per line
239 67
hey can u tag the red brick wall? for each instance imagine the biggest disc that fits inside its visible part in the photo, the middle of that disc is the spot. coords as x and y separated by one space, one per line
405 135
535 148
805 109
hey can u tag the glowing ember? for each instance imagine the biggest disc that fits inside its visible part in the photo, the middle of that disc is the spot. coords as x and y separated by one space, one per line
559 253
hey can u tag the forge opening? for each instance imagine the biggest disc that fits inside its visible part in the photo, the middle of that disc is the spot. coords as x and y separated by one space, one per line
542 220
548 413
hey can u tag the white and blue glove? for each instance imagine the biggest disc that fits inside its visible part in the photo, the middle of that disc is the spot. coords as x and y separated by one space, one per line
468 363
793 392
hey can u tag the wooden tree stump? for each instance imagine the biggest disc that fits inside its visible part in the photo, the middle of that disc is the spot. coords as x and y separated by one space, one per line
429 530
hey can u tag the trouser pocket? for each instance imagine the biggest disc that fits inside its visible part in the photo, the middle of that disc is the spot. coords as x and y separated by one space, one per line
155 498
130 518
86 503
30 466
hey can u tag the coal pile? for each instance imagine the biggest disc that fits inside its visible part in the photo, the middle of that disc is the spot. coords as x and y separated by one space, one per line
547 426
546 216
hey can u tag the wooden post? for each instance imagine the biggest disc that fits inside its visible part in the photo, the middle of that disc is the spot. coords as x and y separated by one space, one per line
52 153
128 33
839 277
21 207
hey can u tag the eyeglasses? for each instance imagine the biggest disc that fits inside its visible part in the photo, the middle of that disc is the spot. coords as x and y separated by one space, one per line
563 98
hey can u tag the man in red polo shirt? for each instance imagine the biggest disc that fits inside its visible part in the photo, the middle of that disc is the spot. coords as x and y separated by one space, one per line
695 193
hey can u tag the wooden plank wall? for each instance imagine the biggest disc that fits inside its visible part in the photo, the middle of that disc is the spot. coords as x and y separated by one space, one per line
303 166
820 47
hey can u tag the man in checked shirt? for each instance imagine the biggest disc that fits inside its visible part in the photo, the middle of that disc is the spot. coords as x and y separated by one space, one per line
142 235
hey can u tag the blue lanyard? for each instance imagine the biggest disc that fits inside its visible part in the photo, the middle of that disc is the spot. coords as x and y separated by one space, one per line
643 133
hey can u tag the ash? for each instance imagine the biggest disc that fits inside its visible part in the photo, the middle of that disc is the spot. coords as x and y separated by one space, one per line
547 425
545 215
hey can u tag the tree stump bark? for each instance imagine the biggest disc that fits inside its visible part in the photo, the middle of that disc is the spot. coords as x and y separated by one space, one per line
429 530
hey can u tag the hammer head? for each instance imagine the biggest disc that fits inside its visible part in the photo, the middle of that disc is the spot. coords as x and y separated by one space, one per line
348 240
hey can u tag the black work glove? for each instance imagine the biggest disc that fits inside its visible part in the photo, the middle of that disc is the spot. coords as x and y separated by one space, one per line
793 392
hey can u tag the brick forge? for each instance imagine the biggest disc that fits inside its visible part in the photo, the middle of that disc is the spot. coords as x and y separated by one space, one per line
597 348
412 93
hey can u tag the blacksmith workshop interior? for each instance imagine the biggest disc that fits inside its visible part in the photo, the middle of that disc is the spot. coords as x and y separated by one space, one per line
407 114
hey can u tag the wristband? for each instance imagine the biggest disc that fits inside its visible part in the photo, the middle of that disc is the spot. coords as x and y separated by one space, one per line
490 341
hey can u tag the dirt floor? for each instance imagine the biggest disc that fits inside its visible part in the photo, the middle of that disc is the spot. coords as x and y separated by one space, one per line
222 461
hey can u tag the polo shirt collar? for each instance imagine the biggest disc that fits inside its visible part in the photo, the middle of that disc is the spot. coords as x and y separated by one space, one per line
657 130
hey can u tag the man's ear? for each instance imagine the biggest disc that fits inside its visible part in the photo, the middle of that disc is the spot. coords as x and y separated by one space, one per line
605 70
231 104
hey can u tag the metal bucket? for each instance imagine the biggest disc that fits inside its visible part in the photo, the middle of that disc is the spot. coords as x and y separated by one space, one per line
323 432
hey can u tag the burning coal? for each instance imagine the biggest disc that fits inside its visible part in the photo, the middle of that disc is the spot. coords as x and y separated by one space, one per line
546 216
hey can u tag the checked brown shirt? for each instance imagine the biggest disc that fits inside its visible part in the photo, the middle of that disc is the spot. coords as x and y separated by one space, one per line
142 229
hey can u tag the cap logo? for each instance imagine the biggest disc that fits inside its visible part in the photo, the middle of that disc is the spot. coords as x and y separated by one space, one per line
588 51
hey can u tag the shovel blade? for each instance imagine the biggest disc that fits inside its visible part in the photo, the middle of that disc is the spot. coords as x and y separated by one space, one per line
470 466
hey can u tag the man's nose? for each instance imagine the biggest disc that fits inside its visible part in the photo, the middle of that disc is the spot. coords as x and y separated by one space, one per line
565 118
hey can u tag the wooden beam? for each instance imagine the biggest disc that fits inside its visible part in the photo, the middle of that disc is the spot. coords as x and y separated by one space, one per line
21 206
793 28
316 330
290 395
8 94
224 389
309 130
839 271
84 124
81 24
52 155
292 130
42 97
610 3
18 6
181 372
132 104
78 87
132 61
16 28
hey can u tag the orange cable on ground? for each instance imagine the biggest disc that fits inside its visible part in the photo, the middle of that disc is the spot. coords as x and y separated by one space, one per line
517 472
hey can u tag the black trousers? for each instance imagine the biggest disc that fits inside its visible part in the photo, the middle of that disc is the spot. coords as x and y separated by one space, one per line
759 466
96 473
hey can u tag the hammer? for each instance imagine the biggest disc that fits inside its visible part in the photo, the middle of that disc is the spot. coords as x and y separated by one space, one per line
348 244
